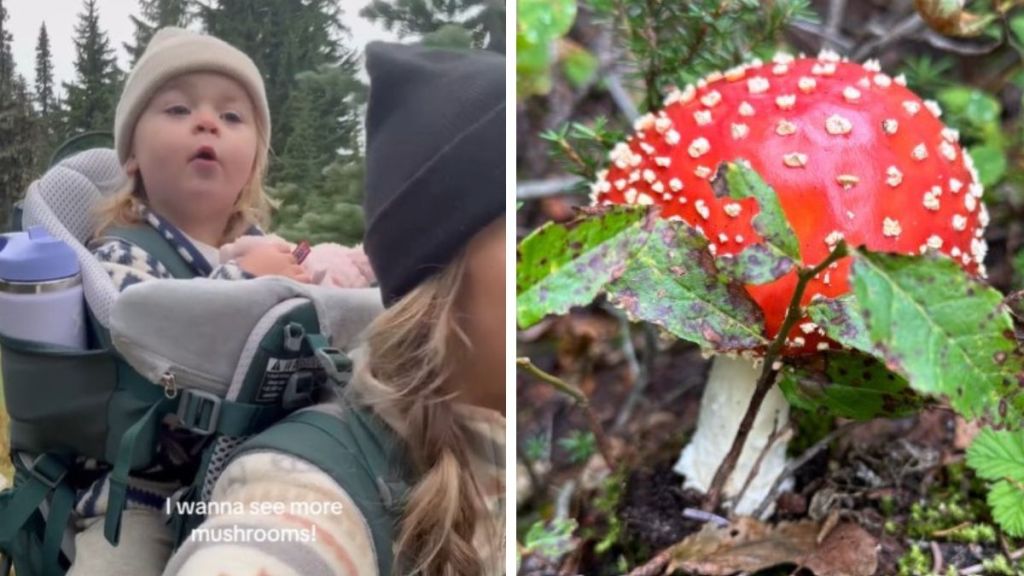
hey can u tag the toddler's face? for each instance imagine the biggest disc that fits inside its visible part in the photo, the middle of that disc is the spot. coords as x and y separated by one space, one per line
195 144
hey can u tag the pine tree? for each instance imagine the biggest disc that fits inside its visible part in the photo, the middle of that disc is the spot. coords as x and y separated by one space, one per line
92 98
318 177
44 74
284 38
485 19
17 127
156 14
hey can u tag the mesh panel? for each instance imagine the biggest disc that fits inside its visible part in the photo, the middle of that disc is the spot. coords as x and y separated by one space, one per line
63 201
223 449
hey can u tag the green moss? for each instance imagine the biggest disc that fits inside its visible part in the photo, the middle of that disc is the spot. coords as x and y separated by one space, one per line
914 563
607 502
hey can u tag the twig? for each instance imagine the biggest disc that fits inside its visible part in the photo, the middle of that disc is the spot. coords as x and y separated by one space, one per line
980 568
695 514
563 500
795 465
937 562
581 400
768 375
534 189
836 8
776 434
946 532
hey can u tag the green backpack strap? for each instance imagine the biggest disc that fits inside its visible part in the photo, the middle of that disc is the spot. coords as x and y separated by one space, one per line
361 453
149 239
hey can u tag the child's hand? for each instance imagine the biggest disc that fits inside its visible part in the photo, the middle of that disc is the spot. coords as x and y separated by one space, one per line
272 259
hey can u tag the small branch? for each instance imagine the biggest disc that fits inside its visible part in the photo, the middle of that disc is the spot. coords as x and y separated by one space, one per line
702 516
795 465
937 562
777 433
594 423
767 378
535 189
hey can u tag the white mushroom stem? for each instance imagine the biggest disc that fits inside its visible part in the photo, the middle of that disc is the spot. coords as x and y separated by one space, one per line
730 386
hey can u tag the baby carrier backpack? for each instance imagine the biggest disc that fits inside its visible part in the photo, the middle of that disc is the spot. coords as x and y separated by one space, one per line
241 364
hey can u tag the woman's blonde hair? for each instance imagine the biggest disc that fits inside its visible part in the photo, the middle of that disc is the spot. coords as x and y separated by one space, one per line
413 347
252 207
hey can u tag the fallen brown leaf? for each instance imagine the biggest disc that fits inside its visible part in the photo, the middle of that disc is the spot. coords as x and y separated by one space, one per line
748 545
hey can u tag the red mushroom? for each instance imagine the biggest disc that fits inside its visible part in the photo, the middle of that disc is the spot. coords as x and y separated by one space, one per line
851 153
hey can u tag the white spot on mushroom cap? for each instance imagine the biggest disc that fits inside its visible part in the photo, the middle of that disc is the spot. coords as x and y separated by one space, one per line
702 209
663 161
890 126
649 175
734 74
711 98
663 124
872 65
851 94
933 107
838 125
806 84
702 172
785 128
955 185
901 80
630 196
950 135
920 152
644 199
758 85
911 107
847 181
740 131
833 238
959 222
891 228
785 102
675 184
658 187
934 241
882 80
827 55
931 201
893 176
732 209
947 150
970 202
699 147
746 109
794 160
782 58
723 237
645 122
702 117
672 137
780 69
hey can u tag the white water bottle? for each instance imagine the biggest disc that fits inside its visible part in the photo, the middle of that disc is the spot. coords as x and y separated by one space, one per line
41 295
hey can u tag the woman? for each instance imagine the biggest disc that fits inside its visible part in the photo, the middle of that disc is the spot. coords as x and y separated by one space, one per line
432 367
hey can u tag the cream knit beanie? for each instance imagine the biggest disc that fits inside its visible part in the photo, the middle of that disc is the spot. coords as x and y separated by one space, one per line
173 52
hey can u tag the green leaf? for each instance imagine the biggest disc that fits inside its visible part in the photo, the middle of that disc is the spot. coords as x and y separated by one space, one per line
579 65
756 264
538 23
849 385
942 329
997 454
842 321
771 222
990 160
673 282
564 265
551 541
1007 503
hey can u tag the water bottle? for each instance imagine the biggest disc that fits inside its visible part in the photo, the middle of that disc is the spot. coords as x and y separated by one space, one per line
41 295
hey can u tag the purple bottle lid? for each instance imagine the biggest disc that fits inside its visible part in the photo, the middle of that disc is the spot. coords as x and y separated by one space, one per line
35 256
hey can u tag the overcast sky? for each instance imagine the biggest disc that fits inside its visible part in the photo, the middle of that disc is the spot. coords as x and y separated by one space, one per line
61 16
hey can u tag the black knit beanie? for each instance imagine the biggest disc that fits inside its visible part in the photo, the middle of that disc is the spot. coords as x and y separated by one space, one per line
435 158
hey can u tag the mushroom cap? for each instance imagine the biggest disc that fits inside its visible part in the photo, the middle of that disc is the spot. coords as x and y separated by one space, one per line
851 153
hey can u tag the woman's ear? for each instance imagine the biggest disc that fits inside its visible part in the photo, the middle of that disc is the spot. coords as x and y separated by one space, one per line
131 166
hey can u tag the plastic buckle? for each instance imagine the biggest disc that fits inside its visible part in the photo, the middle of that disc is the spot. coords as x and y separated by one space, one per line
48 470
336 363
192 408
299 391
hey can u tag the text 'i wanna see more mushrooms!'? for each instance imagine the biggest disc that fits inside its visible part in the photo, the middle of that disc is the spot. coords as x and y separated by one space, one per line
852 155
